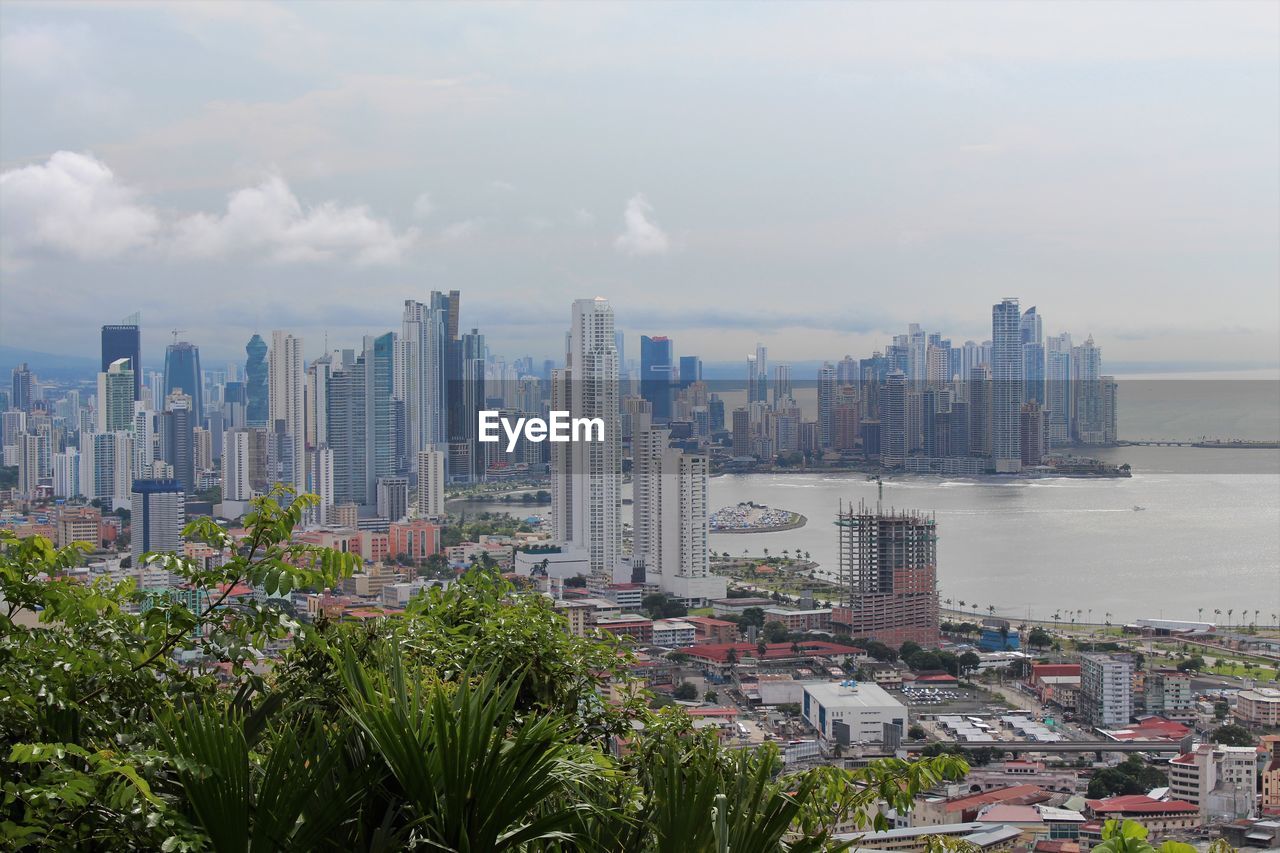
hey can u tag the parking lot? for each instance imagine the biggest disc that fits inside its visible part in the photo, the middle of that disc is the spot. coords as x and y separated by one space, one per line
957 699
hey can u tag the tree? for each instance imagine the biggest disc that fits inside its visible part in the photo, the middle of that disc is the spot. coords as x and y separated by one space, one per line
907 649
1194 663
1039 638
711 697
1131 776
473 720
1232 735
685 691
1221 709
775 632
753 616
969 662
916 731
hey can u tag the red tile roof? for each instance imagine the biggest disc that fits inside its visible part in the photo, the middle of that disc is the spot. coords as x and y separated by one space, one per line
1014 794
719 652
1140 804
1050 670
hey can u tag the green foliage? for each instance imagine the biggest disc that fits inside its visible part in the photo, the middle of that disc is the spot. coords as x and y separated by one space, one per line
1131 837
659 606
685 691
474 722
1131 776
1232 735
775 632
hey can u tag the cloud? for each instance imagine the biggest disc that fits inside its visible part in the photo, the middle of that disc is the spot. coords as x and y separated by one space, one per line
423 206
642 235
270 219
460 230
73 204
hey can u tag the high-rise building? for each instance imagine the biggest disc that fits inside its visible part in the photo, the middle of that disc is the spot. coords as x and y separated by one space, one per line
826 405
116 387
346 427
182 374
431 478
741 433
124 341
177 439
690 370
1059 400
656 362
1032 434
587 475
1087 385
244 463
1033 358
783 387
66 474
158 516
393 498
893 421
888 575
669 518
24 388
29 452
285 404
465 394
321 475
758 375
1106 689
257 408
427 328
1006 386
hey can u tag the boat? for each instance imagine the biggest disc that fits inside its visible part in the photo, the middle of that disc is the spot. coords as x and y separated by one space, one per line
1137 508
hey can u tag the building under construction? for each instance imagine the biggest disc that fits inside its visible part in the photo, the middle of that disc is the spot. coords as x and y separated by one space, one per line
888 575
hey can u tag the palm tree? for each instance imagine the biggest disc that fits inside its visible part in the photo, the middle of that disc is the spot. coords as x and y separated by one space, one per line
991 608
961 603
1230 611
947 602
1199 614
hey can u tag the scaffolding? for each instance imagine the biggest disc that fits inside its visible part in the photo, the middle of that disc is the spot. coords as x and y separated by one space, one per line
887 571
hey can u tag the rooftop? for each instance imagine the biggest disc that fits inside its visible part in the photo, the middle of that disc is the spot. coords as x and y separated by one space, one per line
866 694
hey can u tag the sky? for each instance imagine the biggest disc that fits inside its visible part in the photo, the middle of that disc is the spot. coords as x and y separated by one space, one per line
810 176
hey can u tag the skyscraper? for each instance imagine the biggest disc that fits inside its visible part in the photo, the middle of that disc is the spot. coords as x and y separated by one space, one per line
116 387
888 574
655 375
182 373
1058 400
1033 360
23 388
346 426
826 405
285 404
158 514
427 328
1086 375
465 395
758 375
893 421
587 475
257 408
669 518
177 438
690 370
124 341
430 483
1006 386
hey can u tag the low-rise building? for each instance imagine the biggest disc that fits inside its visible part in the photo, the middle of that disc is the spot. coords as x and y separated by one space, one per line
854 711
1168 694
672 633
934 810
1047 680
710 630
1007 773
1160 817
627 625
1270 802
579 615
1220 781
1258 708
798 621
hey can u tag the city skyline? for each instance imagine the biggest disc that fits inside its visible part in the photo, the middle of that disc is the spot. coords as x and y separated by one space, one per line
1000 162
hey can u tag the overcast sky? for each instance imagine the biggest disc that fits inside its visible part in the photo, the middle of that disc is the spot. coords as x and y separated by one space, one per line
810 176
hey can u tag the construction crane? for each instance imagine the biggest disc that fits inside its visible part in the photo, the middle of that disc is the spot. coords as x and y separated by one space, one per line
177 332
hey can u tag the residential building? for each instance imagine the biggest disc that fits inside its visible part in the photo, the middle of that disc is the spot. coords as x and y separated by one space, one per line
431 478
586 498
116 387
158 516
888 574
1106 690
670 518
672 633
1258 707
1221 781
285 405
1006 386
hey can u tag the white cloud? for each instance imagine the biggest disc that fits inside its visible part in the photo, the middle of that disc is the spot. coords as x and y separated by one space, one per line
269 218
423 206
460 230
72 204
642 235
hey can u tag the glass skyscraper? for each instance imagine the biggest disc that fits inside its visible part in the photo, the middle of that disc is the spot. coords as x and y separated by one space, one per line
124 341
182 372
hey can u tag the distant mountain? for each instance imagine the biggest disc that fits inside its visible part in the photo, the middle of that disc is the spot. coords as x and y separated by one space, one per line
47 365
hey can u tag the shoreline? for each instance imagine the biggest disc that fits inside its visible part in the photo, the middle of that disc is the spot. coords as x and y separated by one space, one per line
797 521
